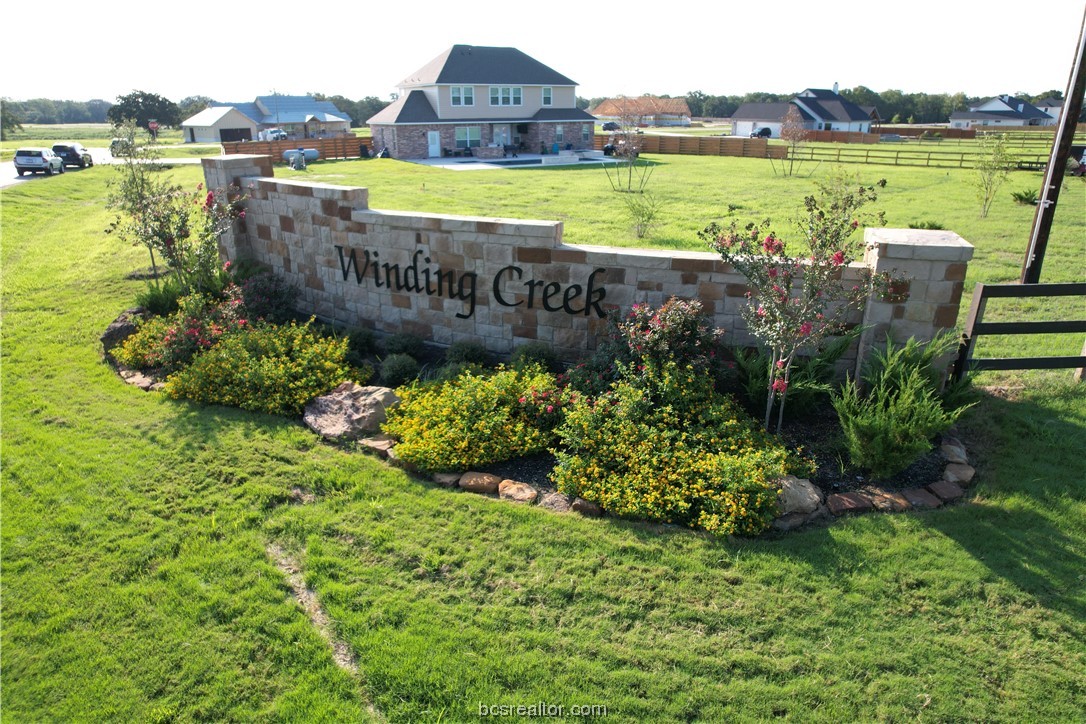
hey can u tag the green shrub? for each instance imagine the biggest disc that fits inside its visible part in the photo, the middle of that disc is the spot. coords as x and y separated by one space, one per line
678 331
892 426
160 299
399 369
362 342
535 353
268 368
475 419
890 366
930 225
467 351
1025 198
403 343
169 343
662 445
268 297
809 382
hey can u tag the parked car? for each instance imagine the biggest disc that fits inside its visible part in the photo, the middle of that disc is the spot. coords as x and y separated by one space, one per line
120 147
73 154
762 133
610 126
38 160
275 134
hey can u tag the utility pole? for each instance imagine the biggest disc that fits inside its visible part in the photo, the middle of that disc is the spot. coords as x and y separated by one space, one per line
1057 165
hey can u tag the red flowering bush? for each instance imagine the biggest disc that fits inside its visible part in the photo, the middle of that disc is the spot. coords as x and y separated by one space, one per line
799 300
678 331
169 343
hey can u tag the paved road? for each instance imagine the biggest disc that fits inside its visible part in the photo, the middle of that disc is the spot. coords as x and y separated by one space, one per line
9 176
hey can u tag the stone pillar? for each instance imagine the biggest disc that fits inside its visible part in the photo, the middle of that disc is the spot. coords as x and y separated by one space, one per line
932 265
223 171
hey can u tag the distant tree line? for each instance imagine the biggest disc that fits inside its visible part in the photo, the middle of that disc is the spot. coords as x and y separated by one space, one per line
894 106
143 106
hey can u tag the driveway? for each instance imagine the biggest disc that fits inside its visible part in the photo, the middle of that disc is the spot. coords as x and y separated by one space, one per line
9 176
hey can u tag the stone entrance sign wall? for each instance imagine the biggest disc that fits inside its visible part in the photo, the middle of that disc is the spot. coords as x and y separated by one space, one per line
505 282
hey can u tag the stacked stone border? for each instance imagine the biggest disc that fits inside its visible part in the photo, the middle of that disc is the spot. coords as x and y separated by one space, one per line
800 501
507 282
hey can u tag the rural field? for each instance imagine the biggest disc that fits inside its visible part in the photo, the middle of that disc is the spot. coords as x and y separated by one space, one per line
141 535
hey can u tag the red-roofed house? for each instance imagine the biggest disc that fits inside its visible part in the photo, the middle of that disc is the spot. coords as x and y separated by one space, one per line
646 110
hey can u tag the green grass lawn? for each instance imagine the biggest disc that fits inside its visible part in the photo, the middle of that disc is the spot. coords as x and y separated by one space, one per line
137 586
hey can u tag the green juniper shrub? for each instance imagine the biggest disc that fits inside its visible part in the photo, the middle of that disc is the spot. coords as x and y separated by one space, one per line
925 224
403 343
890 366
160 299
268 368
361 346
169 343
477 418
399 369
535 353
663 445
468 351
1027 197
891 426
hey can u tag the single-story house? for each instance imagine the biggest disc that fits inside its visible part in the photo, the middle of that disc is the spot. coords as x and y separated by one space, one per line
473 97
298 116
819 109
644 111
1002 111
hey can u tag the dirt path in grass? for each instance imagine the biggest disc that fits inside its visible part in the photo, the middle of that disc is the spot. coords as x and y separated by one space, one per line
341 652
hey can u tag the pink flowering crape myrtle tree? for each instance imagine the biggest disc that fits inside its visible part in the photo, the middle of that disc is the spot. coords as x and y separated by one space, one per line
798 300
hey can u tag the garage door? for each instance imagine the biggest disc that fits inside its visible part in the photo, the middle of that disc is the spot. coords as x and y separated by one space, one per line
235 134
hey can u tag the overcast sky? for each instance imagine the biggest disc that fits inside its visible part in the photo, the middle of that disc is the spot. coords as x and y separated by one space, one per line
349 49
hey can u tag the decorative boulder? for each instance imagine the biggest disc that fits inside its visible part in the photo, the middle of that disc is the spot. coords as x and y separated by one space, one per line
484 483
558 502
350 411
517 492
121 328
798 496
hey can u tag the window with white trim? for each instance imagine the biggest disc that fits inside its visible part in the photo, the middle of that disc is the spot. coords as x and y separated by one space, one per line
548 96
468 137
463 95
505 95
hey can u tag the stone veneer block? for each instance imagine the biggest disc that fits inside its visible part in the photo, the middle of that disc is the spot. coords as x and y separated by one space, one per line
920 498
921 244
842 503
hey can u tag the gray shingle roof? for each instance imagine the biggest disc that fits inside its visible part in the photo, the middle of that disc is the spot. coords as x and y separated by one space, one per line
474 64
766 112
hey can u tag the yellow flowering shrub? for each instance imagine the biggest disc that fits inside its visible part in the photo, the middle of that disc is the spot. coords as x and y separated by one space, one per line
268 368
476 418
663 446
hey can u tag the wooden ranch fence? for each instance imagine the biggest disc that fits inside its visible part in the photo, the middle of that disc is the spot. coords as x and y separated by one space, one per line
976 326
905 157
340 147
705 146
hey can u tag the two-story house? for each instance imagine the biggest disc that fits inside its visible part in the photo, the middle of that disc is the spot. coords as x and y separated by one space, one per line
482 101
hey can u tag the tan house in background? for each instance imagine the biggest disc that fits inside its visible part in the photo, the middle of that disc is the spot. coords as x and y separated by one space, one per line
644 111
482 101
